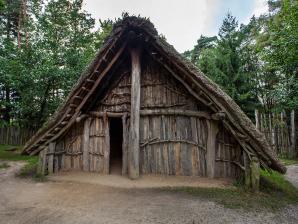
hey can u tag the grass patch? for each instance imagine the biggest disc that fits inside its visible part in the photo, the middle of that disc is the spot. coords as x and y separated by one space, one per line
288 162
275 193
13 153
3 165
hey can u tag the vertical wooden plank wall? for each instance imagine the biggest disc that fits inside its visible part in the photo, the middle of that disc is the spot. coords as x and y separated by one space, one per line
97 149
173 145
13 135
227 154
168 144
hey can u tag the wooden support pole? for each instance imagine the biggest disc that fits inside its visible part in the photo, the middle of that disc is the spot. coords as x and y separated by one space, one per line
247 171
211 143
85 144
257 117
252 172
293 135
134 137
255 173
125 144
106 153
51 151
40 162
44 161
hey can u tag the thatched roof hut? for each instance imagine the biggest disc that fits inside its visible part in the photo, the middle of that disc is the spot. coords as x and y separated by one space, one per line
141 101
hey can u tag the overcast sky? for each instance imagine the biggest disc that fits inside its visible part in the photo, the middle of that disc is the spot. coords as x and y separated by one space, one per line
181 21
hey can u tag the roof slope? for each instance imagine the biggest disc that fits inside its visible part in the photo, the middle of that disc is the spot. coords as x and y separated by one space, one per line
251 140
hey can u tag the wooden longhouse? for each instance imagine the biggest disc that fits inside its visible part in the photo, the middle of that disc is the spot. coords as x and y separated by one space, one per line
140 108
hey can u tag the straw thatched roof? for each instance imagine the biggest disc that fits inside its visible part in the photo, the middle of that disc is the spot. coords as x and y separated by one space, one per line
242 128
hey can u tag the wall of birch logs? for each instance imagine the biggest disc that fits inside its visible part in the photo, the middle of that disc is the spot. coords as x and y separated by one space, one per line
170 143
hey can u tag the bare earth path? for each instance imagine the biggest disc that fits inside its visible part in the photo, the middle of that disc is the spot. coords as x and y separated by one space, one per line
24 201
292 174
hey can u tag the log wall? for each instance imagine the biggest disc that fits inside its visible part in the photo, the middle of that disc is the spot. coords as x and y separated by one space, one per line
171 143
73 148
227 155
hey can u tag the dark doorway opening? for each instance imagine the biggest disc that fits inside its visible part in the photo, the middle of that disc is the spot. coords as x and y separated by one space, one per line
116 138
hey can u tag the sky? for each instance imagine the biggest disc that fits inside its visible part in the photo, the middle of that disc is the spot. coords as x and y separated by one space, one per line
182 22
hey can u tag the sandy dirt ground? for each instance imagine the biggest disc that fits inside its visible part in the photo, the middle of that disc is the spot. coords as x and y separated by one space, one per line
70 202
148 181
292 174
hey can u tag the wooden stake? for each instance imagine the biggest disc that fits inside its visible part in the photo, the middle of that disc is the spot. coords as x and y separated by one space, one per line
134 138
52 146
44 161
255 173
106 153
211 141
40 162
124 144
293 135
257 119
85 144
247 174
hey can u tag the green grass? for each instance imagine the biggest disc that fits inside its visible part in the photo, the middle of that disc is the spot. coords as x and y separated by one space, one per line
275 193
288 162
3 165
29 170
7 154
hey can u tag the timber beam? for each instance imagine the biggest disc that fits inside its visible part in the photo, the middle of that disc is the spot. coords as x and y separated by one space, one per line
134 137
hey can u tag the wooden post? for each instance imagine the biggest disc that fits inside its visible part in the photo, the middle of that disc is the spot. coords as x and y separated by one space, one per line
51 151
282 142
211 143
247 173
85 144
257 119
40 162
134 137
255 173
293 135
273 121
270 130
44 161
106 153
124 144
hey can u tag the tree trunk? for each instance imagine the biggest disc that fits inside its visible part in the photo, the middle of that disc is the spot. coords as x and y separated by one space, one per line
293 135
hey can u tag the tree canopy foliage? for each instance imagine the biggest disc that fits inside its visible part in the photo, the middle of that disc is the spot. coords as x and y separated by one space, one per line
256 64
45 45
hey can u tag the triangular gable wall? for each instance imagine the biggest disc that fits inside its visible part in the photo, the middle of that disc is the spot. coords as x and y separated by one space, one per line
204 90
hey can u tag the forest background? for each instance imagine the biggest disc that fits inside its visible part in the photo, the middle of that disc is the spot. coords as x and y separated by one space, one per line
45 46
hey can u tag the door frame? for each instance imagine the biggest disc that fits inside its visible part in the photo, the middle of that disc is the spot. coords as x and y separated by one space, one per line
125 140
